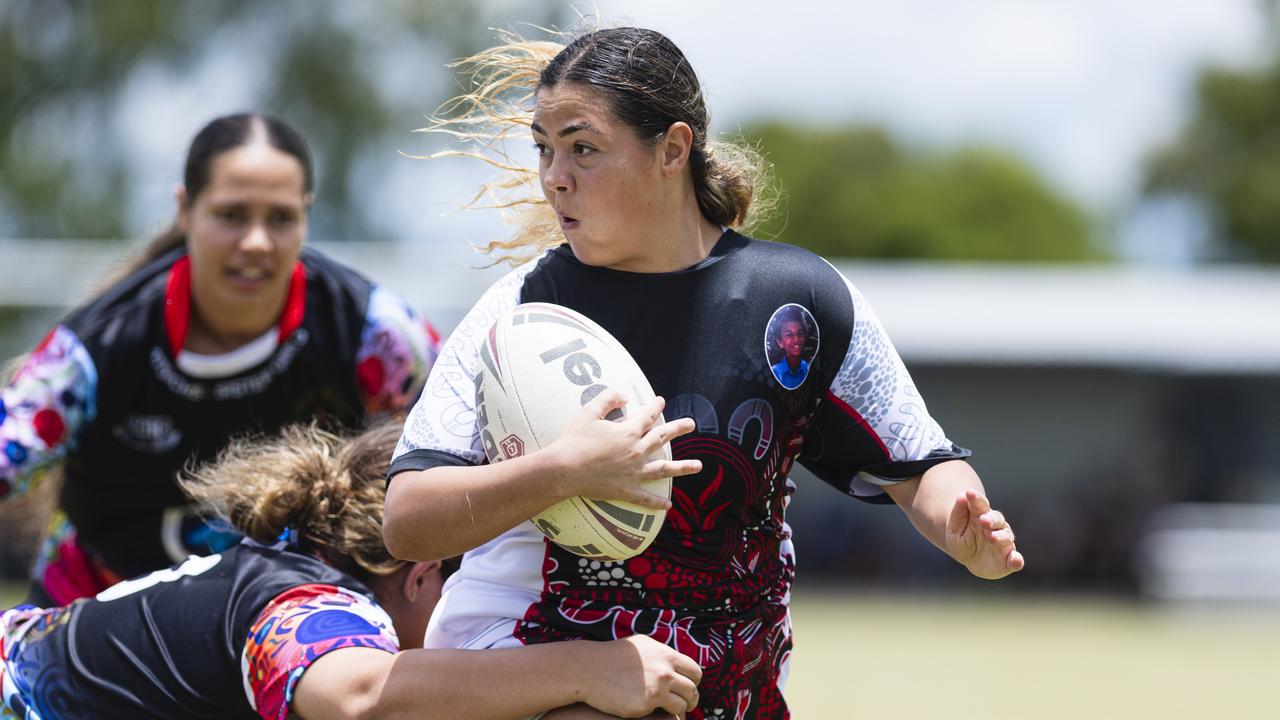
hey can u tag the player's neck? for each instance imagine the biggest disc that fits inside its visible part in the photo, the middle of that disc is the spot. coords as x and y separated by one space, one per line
216 338
674 241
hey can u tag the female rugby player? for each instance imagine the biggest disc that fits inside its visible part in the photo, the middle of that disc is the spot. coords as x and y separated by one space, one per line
301 619
229 326
641 206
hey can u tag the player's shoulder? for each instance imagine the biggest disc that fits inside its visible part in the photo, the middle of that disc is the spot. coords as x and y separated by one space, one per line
267 570
785 267
120 306
316 261
336 282
510 289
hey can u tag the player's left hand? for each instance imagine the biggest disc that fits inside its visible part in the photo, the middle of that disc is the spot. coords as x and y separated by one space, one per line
981 539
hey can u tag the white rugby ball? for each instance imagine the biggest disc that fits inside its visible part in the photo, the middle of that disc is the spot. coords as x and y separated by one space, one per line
539 365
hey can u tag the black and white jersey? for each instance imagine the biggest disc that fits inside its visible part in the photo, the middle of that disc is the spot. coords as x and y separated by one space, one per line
778 359
113 393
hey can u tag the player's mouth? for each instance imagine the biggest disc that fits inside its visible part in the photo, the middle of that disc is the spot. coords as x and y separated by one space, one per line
568 223
249 278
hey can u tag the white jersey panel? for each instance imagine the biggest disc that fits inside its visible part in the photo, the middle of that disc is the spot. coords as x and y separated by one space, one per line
496 584
444 418
874 382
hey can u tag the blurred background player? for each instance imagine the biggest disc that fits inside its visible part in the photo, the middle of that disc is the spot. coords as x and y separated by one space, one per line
305 618
644 199
226 325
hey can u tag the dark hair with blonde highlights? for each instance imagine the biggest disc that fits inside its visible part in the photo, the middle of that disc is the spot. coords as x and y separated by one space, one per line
328 489
649 85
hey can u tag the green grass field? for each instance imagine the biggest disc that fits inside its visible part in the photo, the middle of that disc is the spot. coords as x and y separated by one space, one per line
905 656
908 656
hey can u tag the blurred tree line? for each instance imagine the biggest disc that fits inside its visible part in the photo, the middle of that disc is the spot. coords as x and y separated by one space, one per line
350 76
1227 158
356 78
856 192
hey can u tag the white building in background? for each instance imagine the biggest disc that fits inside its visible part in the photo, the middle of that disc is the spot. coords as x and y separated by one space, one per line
1092 396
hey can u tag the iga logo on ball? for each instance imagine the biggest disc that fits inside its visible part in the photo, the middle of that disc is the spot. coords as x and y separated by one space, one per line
539 365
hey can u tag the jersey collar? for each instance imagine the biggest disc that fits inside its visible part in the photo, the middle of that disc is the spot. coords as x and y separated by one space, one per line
177 304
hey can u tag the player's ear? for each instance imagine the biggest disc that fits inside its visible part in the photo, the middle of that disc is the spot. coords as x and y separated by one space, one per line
675 146
417 578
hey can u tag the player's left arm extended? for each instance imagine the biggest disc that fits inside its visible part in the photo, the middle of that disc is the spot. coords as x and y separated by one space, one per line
949 507
623 678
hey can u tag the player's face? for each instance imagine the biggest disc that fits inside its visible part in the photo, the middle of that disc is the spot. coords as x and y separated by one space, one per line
791 339
601 179
244 234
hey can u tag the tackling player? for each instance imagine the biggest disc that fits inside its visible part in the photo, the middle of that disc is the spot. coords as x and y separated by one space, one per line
308 617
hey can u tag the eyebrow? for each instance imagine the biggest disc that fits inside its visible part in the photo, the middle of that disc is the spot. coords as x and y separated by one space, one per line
568 129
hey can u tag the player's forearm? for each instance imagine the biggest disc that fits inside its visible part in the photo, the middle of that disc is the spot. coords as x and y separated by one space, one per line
927 500
370 684
436 513
484 684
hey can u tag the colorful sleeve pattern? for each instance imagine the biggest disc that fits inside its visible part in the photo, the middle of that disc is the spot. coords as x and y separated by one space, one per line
297 628
43 407
873 428
441 428
397 349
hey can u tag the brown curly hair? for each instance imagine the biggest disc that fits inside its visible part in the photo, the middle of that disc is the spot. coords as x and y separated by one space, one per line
328 489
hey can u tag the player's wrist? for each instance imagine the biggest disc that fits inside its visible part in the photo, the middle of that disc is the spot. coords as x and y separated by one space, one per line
596 673
557 474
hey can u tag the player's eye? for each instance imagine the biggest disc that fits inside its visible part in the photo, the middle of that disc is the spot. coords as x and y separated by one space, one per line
282 217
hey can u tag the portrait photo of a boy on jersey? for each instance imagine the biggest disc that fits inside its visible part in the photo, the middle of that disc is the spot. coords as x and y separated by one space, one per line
790 343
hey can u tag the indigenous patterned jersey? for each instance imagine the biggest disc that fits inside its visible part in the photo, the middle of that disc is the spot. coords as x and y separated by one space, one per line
113 393
777 358
223 636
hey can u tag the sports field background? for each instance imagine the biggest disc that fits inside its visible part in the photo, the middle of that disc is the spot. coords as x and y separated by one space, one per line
1008 657
872 656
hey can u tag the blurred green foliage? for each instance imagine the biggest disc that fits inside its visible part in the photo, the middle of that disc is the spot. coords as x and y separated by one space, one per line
856 192
352 77
77 76
1228 159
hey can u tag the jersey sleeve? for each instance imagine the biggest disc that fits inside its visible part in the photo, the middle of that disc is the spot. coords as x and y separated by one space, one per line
397 349
442 429
300 626
872 428
43 408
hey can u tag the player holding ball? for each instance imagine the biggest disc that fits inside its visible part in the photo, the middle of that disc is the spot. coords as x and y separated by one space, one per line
765 356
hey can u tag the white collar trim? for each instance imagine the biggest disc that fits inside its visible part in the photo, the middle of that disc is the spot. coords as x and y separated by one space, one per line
229 363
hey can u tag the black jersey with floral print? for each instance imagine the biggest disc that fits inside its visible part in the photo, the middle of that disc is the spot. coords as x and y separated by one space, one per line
113 394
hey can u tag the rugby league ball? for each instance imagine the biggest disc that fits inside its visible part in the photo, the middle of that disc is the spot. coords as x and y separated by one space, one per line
538 366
